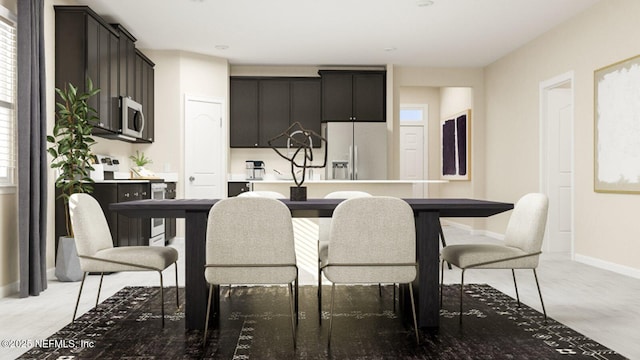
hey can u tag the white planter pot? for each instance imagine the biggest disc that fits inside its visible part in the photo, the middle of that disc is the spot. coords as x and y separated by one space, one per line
67 261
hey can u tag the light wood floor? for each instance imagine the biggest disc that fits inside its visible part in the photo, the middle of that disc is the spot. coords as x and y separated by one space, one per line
600 304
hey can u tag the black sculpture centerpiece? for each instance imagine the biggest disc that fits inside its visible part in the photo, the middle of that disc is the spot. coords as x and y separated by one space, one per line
301 140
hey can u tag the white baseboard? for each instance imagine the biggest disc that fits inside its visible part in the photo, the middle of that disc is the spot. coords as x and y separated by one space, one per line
606 265
456 225
9 289
14 288
472 231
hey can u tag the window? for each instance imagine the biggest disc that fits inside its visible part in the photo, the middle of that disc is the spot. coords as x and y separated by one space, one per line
413 114
8 82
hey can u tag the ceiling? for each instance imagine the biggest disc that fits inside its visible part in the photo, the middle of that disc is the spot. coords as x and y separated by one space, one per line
448 33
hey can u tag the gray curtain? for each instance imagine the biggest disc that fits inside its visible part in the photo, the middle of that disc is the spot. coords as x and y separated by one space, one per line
32 158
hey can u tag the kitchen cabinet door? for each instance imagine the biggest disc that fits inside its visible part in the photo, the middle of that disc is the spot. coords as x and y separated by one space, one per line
235 188
106 194
353 95
144 89
85 49
244 113
306 105
273 111
337 96
127 62
369 97
128 228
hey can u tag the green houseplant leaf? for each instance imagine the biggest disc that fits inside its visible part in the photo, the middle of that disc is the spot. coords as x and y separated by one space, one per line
140 159
71 143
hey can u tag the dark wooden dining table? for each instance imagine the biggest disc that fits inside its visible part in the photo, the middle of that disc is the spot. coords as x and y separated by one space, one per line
427 221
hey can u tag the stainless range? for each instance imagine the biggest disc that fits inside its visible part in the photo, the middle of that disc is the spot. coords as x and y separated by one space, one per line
157 224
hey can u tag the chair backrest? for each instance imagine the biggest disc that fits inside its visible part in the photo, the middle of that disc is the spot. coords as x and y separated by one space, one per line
374 230
527 223
250 230
90 228
324 224
263 193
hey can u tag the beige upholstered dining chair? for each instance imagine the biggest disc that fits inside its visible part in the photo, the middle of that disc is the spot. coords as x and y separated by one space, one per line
372 240
324 226
521 249
97 254
250 241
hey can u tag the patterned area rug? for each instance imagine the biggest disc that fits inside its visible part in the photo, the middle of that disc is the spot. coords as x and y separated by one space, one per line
255 324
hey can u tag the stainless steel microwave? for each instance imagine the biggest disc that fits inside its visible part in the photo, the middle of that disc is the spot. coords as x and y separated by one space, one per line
132 118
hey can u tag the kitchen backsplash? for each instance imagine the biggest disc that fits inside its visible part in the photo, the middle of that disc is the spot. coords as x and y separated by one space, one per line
271 160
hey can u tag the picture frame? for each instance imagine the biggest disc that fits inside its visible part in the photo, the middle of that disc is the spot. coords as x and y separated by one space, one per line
617 127
455 135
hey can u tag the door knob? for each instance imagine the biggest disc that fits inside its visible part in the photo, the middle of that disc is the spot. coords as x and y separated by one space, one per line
191 178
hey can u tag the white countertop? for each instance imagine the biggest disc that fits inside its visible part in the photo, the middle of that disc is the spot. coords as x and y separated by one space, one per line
351 181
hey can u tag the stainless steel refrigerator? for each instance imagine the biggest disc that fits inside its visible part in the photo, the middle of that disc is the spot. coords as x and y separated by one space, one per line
356 150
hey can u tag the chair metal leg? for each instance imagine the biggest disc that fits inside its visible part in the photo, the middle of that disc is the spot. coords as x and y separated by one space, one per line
206 320
161 296
177 292
379 290
441 280
394 297
333 289
513 272
297 296
544 311
319 295
413 309
293 322
84 276
442 239
461 291
99 288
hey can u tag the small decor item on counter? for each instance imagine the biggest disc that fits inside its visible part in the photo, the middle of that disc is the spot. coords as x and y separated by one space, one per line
255 169
140 159
300 139
139 171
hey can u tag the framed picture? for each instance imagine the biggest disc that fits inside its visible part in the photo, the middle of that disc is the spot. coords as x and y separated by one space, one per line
455 131
617 127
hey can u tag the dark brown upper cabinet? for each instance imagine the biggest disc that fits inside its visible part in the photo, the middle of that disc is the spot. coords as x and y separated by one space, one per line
127 62
306 105
261 108
144 93
87 47
353 95
244 113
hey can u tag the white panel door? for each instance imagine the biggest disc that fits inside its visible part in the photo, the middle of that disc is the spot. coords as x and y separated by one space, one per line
560 144
412 156
203 163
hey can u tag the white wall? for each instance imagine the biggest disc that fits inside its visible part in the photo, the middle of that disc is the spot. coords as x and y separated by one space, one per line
177 74
607 230
473 80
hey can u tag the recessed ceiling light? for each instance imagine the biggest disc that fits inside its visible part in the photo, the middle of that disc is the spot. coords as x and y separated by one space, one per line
222 47
424 2
390 49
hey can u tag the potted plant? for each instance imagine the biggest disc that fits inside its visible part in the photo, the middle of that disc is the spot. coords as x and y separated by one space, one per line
71 151
140 160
